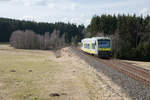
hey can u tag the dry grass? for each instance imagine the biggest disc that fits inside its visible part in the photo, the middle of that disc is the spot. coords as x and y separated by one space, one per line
42 75
25 73
142 64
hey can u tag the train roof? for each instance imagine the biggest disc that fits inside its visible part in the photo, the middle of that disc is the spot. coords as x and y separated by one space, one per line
100 37
93 39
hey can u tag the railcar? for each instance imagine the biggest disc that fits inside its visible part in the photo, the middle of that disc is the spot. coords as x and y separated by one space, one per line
100 46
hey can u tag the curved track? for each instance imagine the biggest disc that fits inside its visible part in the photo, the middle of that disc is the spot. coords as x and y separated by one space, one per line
135 72
138 73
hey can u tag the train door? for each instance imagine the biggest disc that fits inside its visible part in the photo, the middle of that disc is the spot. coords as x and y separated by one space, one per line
93 47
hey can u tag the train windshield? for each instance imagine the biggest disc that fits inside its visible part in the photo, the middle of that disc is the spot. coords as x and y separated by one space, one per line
104 43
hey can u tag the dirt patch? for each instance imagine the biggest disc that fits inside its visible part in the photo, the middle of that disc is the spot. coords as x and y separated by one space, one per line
12 70
54 95
57 53
30 70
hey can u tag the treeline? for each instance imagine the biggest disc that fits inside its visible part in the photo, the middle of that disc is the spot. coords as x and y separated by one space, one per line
130 34
8 26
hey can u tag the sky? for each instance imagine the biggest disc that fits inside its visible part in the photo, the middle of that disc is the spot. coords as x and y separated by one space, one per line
73 11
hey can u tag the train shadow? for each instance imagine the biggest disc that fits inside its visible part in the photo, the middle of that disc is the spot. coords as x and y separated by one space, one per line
132 88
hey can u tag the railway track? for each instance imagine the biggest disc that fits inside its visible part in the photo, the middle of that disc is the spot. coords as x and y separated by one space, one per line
137 73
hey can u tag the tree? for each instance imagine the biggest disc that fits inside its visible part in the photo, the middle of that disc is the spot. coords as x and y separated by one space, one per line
130 34
8 26
30 40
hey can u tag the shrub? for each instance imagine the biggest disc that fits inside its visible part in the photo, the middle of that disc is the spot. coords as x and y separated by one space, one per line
30 40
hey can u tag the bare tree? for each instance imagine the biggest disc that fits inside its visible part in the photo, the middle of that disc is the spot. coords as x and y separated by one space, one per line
29 40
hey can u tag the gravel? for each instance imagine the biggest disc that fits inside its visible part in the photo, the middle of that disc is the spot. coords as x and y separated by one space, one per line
132 88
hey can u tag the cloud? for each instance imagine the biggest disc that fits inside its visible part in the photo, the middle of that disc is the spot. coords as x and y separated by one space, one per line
76 11
52 5
73 6
5 0
117 3
144 11
29 2
30 18
60 5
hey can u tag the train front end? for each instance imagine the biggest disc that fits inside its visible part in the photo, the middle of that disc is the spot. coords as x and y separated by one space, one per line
104 47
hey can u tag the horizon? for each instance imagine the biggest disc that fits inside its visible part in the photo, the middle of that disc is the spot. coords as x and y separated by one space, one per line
70 22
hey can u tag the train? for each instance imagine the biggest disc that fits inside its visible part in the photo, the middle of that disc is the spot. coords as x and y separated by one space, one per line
100 46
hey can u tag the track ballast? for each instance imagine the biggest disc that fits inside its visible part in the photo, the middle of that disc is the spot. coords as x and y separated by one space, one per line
137 73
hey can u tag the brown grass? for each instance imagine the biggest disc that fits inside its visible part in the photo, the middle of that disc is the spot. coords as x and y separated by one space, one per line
142 64
40 75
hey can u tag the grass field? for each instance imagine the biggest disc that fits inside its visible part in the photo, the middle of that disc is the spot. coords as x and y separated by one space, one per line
24 74
48 75
37 74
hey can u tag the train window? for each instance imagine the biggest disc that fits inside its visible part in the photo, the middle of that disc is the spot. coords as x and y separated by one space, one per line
84 45
88 46
104 43
93 46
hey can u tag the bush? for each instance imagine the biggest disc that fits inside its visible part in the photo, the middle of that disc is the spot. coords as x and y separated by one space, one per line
30 40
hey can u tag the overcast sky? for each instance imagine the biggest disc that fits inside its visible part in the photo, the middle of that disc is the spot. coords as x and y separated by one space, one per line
74 11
